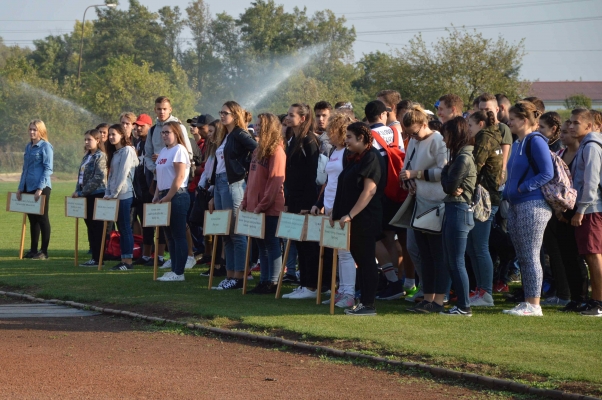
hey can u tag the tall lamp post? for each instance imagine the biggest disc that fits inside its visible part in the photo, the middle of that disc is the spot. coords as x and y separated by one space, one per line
81 46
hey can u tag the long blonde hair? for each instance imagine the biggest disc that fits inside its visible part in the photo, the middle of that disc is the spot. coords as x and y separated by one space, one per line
415 115
270 135
40 126
240 116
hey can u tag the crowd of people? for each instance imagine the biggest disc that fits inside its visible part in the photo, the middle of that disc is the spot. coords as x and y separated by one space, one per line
439 203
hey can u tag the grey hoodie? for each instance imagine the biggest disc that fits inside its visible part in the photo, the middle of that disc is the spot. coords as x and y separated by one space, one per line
121 174
587 174
155 143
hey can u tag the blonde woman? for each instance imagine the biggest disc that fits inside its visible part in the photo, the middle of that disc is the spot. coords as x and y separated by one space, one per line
35 179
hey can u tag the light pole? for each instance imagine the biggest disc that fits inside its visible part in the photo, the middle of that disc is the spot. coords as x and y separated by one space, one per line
81 46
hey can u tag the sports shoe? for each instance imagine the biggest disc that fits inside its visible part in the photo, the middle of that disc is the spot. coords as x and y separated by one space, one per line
514 278
417 295
393 291
456 311
204 260
346 301
419 305
525 309
482 299
250 276
501 287
231 284
361 310
264 288
122 267
30 254
290 278
303 293
171 277
151 262
574 306
430 307
295 290
337 297
594 309
166 265
143 261
89 263
474 294
190 262
221 284
218 272
40 256
256 267
555 301
411 291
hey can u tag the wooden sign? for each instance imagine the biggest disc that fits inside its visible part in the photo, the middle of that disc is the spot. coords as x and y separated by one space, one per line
217 223
27 204
156 214
313 228
290 226
250 224
75 207
335 237
106 210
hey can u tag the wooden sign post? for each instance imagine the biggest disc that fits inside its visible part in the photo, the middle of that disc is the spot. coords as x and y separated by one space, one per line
156 215
76 208
105 210
27 205
290 227
337 239
216 224
250 225
313 232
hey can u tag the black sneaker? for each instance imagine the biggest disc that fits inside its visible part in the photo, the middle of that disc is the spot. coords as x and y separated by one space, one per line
574 306
429 308
218 272
417 306
393 291
204 260
122 267
264 288
458 312
142 261
231 284
151 262
90 263
361 310
30 254
40 256
594 309
289 278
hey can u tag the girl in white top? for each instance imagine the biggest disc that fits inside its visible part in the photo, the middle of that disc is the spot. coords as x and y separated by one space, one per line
337 128
173 164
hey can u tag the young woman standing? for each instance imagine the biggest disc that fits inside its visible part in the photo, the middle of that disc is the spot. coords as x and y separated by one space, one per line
122 160
35 179
550 124
232 154
529 212
265 194
173 164
91 184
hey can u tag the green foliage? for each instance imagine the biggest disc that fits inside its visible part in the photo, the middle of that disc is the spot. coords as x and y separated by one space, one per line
577 100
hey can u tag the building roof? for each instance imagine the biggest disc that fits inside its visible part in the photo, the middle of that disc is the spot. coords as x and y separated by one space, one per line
558 91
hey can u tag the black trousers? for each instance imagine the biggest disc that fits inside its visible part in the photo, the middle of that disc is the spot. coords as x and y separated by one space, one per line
40 224
93 226
309 256
363 250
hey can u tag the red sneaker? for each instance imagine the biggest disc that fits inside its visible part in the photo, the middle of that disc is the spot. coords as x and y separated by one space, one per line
501 287
256 267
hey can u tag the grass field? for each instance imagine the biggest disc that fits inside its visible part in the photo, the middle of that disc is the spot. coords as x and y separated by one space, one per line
557 347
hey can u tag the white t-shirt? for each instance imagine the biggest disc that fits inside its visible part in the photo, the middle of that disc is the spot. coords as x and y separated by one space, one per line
219 155
387 134
334 167
80 179
166 173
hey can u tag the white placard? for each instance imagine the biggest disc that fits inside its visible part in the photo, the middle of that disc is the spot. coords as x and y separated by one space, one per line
27 204
106 210
75 207
156 214
250 224
335 237
313 227
217 223
290 226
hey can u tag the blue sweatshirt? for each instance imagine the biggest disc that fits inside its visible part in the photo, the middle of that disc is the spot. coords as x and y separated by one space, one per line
529 188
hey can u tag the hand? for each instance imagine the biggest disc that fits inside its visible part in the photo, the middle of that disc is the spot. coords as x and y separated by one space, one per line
75 195
107 198
303 212
154 157
243 206
577 219
285 208
331 221
257 211
36 195
406 175
342 221
211 206
165 200
561 218
18 195
314 211
503 177
155 200
458 192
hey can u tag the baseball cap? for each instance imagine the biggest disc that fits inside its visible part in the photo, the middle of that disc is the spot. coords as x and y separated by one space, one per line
201 120
374 109
144 119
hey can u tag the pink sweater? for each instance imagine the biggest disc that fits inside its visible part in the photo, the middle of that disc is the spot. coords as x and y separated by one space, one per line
265 192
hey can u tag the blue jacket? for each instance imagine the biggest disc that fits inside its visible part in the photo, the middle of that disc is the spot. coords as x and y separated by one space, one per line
521 176
37 166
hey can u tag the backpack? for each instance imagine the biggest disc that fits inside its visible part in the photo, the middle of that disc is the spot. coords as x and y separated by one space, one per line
113 248
393 190
558 192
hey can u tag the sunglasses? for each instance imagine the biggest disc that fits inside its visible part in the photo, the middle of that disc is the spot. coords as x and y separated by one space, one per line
224 113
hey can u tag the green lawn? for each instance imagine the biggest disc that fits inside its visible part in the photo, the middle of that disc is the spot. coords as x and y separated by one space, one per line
558 346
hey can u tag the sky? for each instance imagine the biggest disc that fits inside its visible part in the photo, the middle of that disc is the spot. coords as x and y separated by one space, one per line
562 37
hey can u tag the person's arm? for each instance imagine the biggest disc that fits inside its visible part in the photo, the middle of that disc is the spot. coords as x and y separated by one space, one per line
505 154
453 175
149 149
47 163
98 179
276 168
312 153
245 140
481 152
367 194
122 172
540 154
592 160
439 152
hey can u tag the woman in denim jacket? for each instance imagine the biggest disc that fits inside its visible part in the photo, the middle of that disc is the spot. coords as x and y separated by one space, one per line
91 184
35 179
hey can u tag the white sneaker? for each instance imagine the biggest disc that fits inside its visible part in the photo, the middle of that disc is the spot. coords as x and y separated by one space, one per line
172 277
525 310
484 299
295 290
337 297
166 265
190 262
346 301
304 293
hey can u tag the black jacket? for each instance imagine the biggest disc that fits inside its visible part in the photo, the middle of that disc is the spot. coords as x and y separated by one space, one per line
237 153
300 186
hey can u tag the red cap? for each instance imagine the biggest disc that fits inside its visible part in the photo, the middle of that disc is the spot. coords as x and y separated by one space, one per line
144 119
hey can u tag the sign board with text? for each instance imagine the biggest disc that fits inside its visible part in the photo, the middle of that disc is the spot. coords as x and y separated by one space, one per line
290 226
217 223
156 214
250 224
106 210
75 207
335 237
27 204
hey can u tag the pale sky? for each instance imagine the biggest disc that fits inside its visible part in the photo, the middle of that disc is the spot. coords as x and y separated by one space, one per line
557 51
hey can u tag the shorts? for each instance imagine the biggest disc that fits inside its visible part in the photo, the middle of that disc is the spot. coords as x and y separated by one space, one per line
589 234
390 208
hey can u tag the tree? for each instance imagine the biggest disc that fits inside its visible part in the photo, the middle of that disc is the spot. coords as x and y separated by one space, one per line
577 100
172 27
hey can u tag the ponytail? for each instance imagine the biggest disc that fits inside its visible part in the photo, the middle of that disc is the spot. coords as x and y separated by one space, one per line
488 117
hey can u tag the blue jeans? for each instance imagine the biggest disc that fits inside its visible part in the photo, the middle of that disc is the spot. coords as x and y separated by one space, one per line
435 275
456 226
126 237
228 196
478 251
270 256
291 262
176 232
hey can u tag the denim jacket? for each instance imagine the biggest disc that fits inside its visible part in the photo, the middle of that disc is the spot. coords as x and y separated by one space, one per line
95 175
37 166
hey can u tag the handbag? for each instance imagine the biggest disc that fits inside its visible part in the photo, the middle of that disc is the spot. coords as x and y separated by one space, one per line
428 216
403 217
481 204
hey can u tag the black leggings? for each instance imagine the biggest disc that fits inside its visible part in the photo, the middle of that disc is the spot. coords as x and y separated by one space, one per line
94 226
40 224
363 250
